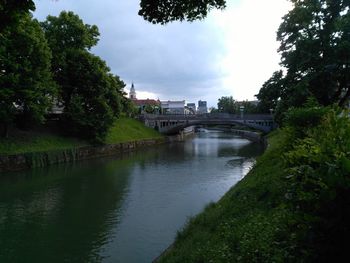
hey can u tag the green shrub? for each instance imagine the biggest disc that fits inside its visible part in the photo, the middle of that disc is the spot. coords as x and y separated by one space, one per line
305 117
319 184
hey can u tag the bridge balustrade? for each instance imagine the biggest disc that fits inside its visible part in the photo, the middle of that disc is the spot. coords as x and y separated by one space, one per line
172 123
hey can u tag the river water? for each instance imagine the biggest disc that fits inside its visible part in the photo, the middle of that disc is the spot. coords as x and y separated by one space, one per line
125 209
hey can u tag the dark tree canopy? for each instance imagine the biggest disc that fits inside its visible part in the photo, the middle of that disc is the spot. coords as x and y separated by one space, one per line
12 10
227 105
271 92
164 11
315 51
26 86
92 101
92 97
315 48
65 33
90 94
68 31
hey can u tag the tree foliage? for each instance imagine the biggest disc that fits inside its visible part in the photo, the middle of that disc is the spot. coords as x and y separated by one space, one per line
91 95
227 104
319 183
271 92
88 91
315 48
68 31
164 11
92 100
25 78
65 34
11 11
248 106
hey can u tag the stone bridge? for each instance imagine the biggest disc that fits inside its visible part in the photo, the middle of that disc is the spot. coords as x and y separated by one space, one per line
172 124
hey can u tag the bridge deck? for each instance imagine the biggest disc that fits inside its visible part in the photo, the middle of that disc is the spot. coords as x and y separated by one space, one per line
171 124
209 116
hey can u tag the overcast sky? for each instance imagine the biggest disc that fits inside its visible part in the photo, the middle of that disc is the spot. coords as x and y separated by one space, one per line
231 53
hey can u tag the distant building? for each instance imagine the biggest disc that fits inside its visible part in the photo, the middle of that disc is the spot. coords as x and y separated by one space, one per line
192 107
144 105
202 107
173 107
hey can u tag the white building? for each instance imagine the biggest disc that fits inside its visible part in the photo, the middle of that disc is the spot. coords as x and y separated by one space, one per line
173 107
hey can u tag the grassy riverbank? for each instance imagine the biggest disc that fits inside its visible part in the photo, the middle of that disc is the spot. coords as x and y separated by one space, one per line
293 206
124 129
241 226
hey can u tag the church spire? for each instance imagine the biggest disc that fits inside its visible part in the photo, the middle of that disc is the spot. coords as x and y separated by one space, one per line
132 94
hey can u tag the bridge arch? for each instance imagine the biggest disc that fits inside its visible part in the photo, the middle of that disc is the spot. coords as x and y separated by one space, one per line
172 124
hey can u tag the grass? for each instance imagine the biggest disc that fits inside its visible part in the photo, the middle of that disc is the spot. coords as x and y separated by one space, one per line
126 129
37 143
249 224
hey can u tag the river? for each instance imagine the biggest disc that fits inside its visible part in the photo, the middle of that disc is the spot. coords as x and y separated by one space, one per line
125 209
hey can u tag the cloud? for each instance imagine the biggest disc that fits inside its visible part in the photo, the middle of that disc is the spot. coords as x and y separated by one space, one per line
251 46
229 53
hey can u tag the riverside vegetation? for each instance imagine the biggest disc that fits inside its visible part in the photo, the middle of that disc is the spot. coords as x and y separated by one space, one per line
123 130
293 206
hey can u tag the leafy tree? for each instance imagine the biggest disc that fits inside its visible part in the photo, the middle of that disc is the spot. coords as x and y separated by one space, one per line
11 11
151 108
68 31
155 11
90 94
25 78
164 11
249 107
227 105
65 34
93 102
213 110
270 93
129 107
315 49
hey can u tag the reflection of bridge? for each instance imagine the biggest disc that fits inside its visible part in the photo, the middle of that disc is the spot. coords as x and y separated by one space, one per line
171 124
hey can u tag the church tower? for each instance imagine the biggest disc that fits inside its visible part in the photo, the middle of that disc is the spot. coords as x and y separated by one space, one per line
132 94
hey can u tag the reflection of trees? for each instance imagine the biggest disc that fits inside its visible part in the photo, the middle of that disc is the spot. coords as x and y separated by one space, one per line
251 150
164 154
227 151
66 212
248 151
56 217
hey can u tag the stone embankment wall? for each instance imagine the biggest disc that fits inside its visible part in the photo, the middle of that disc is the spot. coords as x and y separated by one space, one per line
40 159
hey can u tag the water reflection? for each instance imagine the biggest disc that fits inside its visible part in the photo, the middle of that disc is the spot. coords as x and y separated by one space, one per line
116 210
62 213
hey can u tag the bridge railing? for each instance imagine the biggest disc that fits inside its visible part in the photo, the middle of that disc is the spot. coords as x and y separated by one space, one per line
207 116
